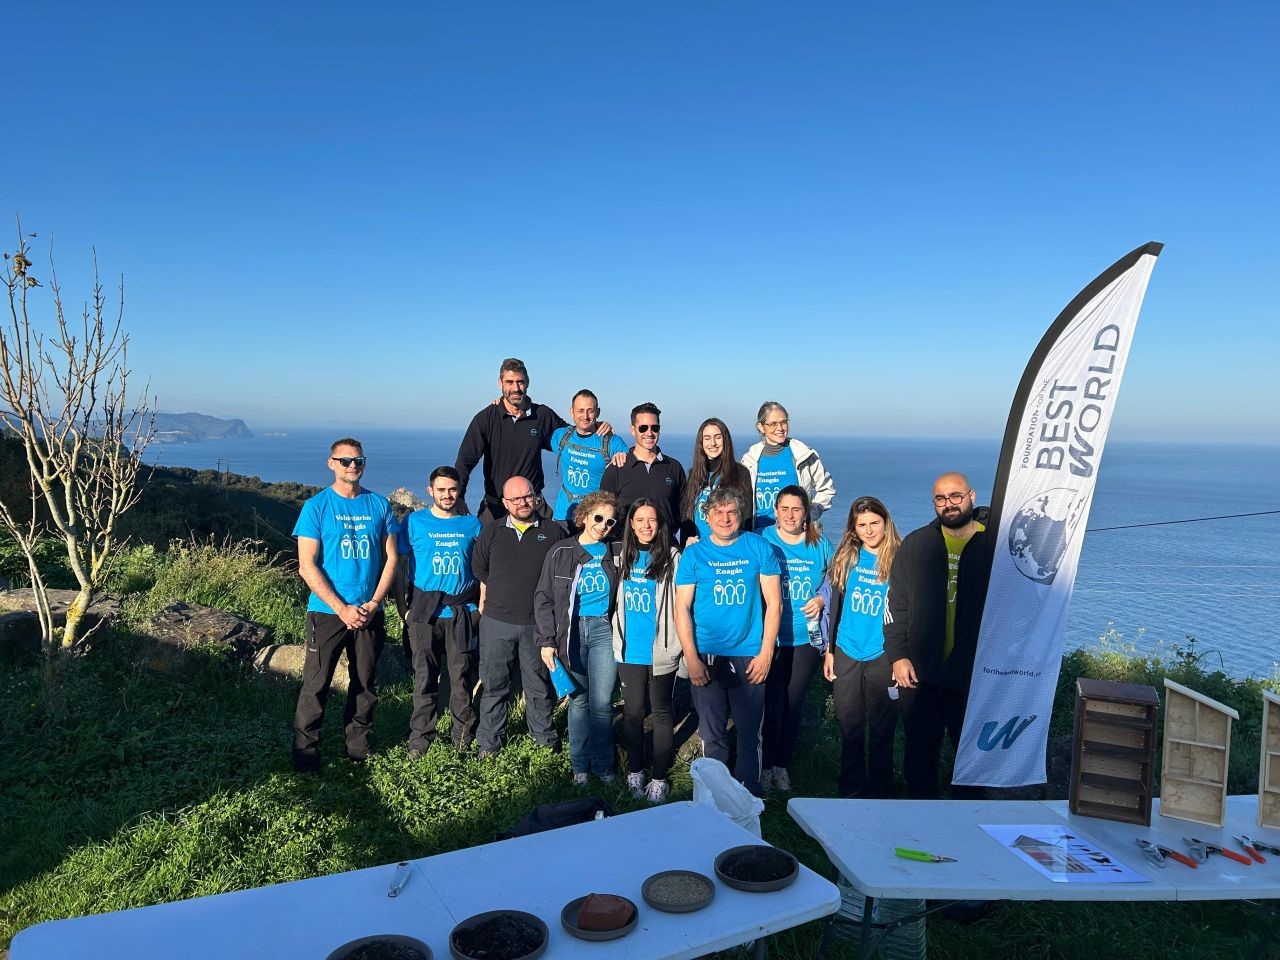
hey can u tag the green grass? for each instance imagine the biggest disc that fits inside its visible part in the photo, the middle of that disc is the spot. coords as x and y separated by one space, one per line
122 788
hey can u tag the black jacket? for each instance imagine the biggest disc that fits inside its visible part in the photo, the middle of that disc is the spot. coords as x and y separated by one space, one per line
509 567
553 601
510 448
662 482
916 625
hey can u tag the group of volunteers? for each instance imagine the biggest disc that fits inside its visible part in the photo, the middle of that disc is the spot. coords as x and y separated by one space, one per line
640 573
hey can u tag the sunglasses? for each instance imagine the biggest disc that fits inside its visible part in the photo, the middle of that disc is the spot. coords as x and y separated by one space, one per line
607 521
348 461
646 428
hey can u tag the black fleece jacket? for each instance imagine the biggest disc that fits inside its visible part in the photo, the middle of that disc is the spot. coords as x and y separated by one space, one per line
510 448
916 627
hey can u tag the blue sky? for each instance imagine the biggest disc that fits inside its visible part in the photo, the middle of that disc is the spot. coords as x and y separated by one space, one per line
328 213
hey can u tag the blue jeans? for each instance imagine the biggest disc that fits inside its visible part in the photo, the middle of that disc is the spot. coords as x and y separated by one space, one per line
592 666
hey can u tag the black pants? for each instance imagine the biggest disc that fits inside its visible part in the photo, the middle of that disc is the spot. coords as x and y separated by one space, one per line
868 719
785 689
327 638
429 643
637 679
928 710
501 645
715 702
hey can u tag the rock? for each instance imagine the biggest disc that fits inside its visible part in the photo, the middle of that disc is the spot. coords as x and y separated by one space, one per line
404 501
187 626
20 623
285 662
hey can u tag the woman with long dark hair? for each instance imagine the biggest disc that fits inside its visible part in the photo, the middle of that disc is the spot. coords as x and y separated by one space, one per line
713 464
855 662
645 644
804 553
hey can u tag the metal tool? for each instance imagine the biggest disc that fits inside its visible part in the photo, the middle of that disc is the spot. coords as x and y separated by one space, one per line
922 856
1157 854
1262 845
402 877
1247 846
1201 849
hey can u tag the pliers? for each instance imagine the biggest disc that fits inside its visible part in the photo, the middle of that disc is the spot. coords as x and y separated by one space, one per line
1157 854
1255 846
1201 849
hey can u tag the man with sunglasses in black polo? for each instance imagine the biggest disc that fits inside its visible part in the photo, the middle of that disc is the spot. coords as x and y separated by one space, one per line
347 556
648 472
937 589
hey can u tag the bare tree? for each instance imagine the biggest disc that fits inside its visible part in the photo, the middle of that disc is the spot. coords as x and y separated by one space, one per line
65 396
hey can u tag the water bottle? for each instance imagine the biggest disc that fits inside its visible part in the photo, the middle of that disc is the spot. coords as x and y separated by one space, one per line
815 633
906 942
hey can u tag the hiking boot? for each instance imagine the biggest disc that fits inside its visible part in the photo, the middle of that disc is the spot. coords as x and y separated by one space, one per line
306 761
635 783
416 753
580 779
657 791
781 780
766 779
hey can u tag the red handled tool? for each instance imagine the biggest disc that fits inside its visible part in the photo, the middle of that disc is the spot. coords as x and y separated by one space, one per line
1157 854
1262 846
1247 846
1201 849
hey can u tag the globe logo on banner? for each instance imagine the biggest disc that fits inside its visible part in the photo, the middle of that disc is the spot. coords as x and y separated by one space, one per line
1041 530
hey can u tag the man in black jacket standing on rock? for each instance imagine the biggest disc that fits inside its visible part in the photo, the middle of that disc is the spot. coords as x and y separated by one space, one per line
507 560
937 588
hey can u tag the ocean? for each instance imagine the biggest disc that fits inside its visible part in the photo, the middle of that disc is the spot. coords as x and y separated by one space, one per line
1215 580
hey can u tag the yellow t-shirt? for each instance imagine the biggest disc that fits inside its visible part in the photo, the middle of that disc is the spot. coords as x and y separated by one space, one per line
955 547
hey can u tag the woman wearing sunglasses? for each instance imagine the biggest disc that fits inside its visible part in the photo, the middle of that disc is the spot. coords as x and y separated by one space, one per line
573 605
805 553
855 662
779 460
713 464
645 643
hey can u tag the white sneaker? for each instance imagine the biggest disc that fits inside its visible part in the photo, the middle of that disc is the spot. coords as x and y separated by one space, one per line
766 779
635 783
781 780
657 791
579 779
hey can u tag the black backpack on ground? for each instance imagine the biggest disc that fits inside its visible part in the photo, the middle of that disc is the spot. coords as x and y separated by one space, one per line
550 816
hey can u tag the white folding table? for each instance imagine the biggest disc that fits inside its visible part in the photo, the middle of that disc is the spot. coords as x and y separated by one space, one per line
859 837
538 873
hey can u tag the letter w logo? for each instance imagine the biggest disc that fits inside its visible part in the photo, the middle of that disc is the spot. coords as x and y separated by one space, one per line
990 737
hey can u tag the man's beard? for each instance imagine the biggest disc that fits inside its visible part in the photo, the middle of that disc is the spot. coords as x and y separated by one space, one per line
961 520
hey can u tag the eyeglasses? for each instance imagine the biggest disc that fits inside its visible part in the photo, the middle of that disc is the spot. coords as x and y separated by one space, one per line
647 427
774 424
607 521
957 498
348 461
527 498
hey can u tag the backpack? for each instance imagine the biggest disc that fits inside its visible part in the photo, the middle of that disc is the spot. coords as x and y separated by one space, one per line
550 816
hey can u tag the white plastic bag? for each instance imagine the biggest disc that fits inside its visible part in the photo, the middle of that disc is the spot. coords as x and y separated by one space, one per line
714 785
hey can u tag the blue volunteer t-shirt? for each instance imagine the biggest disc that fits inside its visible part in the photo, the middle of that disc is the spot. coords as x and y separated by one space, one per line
592 598
699 515
351 532
861 633
772 474
640 601
581 463
442 553
728 612
803 569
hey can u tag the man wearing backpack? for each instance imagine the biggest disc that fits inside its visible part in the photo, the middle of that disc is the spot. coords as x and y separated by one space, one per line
581 454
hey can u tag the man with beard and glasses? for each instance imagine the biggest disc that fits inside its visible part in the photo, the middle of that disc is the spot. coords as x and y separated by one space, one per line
937 589
509 435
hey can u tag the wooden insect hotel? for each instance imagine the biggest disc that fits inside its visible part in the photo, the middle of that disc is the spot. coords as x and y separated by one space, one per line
1114 750
1269 765
1197 746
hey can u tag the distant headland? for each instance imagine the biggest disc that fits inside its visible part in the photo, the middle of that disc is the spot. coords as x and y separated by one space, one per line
194 427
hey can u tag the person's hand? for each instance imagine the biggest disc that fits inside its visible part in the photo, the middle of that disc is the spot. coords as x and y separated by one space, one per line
604 429
813 609
549 657
352 617
691 541
698 675
370 608
829 666
619 460
758 667
904 674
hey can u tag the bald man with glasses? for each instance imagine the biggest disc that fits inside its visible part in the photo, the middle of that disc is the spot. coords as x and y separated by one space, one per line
937 589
